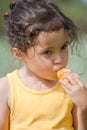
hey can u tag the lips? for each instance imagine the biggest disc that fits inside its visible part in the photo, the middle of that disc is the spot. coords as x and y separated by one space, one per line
59 69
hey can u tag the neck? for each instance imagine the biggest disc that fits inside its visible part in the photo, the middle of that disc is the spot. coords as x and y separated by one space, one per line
29 79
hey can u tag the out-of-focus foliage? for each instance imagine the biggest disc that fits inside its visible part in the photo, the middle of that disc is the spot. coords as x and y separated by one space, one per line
4 7
76 9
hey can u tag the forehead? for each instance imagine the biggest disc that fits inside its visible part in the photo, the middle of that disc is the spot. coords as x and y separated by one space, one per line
51 39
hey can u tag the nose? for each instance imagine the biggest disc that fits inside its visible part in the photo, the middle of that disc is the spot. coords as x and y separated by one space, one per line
58 58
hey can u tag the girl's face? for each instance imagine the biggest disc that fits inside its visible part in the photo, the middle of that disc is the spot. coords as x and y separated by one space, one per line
49 54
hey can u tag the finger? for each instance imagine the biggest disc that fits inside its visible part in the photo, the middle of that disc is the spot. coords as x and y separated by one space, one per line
78 80
74 79
66 85
71 80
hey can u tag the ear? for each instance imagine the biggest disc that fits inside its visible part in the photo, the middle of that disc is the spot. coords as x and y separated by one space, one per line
18 54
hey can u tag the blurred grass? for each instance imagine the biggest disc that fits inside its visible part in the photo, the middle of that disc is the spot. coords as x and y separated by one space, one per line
78 59
7 61
76 10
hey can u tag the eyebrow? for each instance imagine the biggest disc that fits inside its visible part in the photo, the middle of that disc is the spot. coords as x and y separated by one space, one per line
67 42
50 47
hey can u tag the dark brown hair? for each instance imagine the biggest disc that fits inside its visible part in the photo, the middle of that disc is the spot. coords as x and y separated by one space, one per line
29 17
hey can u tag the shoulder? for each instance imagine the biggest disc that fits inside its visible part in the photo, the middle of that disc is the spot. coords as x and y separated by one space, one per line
4 89
4 106
4 83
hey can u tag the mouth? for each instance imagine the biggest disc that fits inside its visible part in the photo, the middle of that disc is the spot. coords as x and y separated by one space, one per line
59 69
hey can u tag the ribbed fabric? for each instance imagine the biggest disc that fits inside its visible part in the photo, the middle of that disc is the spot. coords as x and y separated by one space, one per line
38 110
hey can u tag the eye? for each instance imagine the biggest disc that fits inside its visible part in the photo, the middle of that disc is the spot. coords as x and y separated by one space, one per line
48 52
64 46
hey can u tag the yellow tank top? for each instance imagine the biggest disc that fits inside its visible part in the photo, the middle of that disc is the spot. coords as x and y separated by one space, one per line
38 110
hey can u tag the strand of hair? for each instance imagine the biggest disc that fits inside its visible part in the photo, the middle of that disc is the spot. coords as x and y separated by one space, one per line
12 4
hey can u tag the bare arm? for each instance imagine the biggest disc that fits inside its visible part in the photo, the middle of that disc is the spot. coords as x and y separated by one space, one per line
78 94
80 118
4 108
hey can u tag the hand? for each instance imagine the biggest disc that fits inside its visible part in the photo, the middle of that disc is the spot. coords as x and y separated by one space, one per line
75 89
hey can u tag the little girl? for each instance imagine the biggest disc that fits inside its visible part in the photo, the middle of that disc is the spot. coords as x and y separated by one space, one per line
33 98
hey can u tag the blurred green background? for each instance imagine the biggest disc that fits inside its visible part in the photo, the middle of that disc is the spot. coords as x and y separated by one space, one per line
76 10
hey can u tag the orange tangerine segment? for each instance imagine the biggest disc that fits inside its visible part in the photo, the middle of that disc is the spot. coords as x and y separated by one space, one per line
61 72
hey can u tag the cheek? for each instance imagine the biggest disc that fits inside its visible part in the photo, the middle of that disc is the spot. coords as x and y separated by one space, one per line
45 63
65 57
